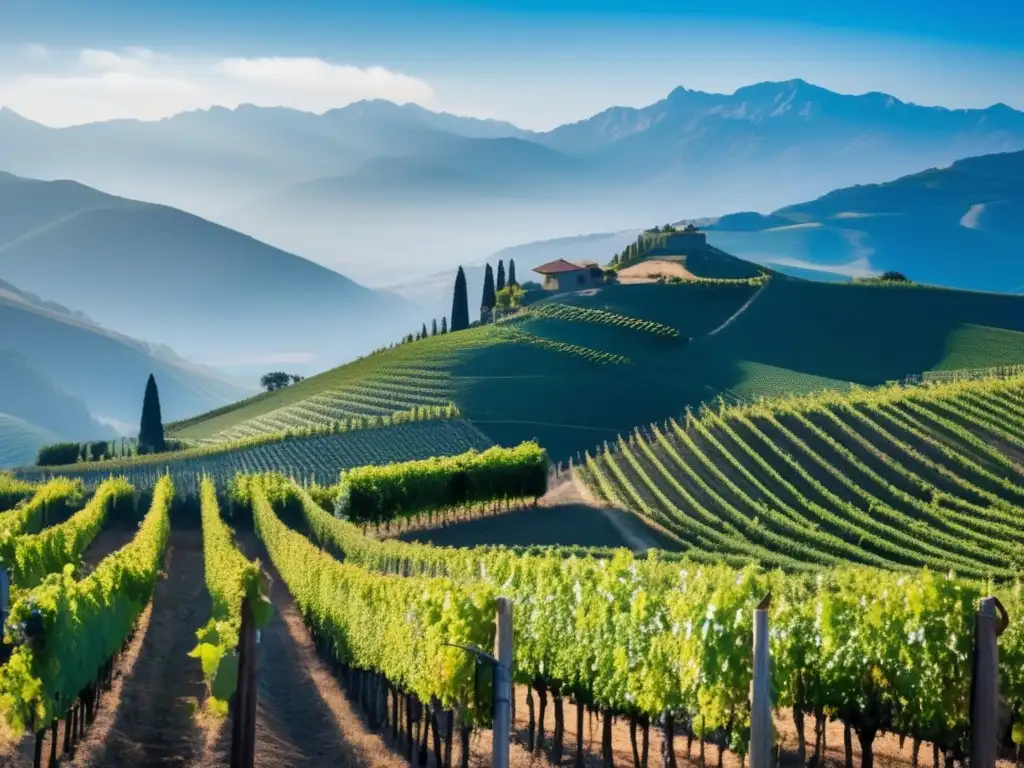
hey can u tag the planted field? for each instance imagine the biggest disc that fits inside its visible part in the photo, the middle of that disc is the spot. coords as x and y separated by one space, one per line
376 624
540 377
898 478
831 624
320 457
577 314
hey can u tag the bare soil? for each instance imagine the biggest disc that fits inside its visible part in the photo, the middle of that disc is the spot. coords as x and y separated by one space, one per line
652 269
109 540
303 717
160 687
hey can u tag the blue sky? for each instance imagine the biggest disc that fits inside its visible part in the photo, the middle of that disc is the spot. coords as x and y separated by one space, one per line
535 63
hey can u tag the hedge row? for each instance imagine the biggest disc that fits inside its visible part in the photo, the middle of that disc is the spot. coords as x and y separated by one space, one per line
378 494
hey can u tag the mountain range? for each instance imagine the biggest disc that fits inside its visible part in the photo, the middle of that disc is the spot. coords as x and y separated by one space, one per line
436 189
214 295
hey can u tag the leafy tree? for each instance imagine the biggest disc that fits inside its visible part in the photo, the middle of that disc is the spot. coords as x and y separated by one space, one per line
487 300
500 283
295 378
512 272
460 303
895 277
444 325
509 297
433 327
151 426
97 450
275 380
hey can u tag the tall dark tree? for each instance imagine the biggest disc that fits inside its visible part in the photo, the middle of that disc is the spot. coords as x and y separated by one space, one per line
151 427
444 325
460 303
433 327
423 331
512 272
487 300
501 276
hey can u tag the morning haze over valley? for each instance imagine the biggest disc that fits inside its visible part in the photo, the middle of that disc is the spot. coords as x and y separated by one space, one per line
511 384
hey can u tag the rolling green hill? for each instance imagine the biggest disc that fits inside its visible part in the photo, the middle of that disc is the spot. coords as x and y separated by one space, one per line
573 382
959 225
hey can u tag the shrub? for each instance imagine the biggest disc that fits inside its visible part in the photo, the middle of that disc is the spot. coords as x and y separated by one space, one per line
57 454
380 494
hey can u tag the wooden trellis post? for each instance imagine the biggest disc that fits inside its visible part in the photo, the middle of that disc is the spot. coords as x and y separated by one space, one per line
760 695
243 719
989 623
502 685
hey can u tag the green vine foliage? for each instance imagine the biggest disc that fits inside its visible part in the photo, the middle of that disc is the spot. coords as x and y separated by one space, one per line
36 555
231 580
13 491
65 629
376 494
881 650
56 497
404 628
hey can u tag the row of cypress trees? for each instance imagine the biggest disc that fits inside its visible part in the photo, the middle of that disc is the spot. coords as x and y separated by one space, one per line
460 301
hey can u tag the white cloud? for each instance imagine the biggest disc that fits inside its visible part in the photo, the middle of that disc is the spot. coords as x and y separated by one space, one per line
136 82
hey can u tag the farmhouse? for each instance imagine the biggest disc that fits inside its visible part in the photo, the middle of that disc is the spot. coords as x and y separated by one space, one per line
562 275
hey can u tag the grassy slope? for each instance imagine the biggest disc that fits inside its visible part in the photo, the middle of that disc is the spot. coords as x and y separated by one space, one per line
795 336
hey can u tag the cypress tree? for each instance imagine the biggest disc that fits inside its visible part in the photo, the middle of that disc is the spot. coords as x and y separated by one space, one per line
460 303
423 331
501 276
151 427
433 327
444 325
512 272
487 300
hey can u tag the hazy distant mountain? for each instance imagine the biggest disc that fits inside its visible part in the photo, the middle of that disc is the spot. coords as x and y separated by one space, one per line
29 395
464 169
104 371
214 295
436 189
20 441
194 159
794 128
961 226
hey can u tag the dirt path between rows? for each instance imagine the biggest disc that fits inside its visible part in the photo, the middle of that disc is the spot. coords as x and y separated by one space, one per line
303 718
107 542
148 720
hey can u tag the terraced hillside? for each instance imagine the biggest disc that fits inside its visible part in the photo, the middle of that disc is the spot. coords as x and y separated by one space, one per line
579 368
895 477
317 457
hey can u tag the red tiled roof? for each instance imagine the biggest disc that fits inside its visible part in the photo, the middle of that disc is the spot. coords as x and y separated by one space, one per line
558 266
